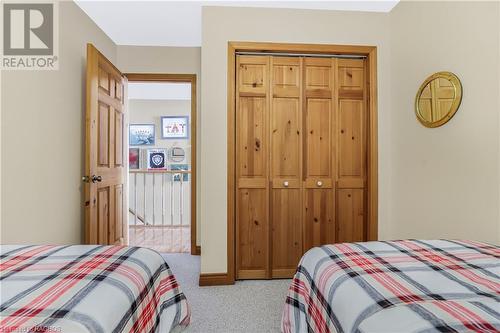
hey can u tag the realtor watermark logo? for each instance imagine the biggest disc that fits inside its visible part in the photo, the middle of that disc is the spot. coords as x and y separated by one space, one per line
30 36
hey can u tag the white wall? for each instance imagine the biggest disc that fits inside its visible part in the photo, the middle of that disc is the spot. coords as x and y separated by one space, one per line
42 132
223 24
445 181
169 60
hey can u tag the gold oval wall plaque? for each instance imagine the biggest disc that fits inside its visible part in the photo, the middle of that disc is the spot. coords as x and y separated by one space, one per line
438 99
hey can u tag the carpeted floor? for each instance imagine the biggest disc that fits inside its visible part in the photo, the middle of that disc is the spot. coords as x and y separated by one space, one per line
248 306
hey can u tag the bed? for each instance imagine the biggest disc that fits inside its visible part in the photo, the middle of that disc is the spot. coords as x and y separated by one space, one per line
396 286
88 288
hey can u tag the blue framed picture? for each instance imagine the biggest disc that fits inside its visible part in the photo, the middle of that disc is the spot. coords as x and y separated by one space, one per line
157 159
175 127
185 176
141 134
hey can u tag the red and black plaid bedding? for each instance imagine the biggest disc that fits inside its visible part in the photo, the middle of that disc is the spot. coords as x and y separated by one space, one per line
396 286
87 288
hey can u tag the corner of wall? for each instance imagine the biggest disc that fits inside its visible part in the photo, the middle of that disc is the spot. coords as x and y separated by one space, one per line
433 194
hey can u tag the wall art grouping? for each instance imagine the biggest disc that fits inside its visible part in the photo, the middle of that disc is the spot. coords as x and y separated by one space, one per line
156 158
172 127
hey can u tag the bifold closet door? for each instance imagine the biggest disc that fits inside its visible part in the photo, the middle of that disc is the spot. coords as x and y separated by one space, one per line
286 165
252 156
300 159
319 147
351 152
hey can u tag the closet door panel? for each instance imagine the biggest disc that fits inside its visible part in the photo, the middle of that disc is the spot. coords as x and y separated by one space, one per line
252 74
350 216
319 145
286 216
253 230
252 176
251 137
318 157
286 77
351 78
285 138
351 139
319 193
286 165
318 77
319 217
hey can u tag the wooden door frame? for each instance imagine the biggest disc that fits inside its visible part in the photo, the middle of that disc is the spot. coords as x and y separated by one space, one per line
372 145
180 78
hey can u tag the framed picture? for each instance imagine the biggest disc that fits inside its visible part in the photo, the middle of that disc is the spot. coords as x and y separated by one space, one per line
177 154
185 176
157 159
141 134
133 158
175 127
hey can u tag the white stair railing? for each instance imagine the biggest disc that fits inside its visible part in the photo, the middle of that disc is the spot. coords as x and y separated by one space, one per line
157 202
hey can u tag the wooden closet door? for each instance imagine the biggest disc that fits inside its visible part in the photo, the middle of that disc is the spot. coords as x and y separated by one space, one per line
252 204
319 194
351 153
286 165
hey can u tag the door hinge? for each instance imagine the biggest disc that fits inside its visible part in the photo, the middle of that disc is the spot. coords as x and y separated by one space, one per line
86 179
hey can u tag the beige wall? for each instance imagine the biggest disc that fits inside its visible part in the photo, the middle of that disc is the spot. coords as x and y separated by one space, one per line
445 181
159 59
169 60
222 24
42 147
432 182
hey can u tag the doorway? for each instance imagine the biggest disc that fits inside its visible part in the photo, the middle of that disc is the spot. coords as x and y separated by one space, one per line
309 113
162 162
109 158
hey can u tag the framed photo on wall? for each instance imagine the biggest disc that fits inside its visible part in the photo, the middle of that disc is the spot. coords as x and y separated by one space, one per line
133 158
141 134
157 159
185 176
175 127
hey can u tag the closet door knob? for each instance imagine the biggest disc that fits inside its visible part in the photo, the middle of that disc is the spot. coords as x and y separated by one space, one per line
285 184
319 183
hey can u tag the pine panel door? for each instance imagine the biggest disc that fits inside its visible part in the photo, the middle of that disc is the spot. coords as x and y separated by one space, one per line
351 152
252 150
286 165
105 197
319 194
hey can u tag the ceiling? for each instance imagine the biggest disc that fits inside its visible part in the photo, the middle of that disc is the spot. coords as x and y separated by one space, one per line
178 23
159 91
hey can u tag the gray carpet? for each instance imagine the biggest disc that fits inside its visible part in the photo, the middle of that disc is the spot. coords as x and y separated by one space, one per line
248 306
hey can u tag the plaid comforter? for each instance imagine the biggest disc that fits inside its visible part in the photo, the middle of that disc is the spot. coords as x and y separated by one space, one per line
397 286
87 288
